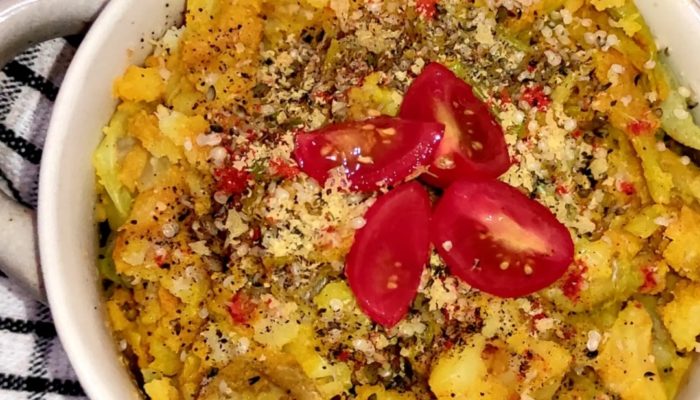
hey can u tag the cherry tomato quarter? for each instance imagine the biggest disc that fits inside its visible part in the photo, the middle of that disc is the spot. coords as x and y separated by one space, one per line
474 144
499 240
378 152
387 258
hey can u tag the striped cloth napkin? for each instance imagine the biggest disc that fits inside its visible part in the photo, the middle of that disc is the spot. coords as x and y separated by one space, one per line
33 365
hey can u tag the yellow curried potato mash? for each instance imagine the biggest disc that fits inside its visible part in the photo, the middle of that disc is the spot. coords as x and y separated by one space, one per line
223 263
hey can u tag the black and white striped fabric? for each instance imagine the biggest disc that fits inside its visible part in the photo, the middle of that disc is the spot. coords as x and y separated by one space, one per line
33 365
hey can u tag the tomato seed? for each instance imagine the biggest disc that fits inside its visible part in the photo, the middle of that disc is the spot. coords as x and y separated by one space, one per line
365 160
445 162
387 132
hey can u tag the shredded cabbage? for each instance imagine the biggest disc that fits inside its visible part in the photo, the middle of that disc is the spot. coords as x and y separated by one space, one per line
678 122
106 160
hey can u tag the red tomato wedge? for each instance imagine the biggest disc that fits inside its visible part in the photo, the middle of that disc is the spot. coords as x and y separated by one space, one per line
389 253
378 152
474 145
498 240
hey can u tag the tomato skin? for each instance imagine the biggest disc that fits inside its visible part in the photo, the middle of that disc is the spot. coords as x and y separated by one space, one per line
378 152
438 95
500 241
387 258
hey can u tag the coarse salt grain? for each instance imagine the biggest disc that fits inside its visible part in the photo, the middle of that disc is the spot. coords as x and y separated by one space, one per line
363 345
336 304
566 16
617 69
553 58
611 41
170 229
684 92
594 339
661 146
213 139
685 160
518 117
652 96
221 197
590 38
533 125
662 221
447 245
546 32
651 64
626 100
358 223
218 154
570 124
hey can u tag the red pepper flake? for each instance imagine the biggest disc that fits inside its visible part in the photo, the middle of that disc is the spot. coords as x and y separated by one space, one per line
449 344
577 134
160 259
573 283
627 188
283 169
562 190
251 135
650 281
504 96
568 332
535 97
231 181
343 356
535 318
323 96
639 127
255 234
446 314
241 308
427 8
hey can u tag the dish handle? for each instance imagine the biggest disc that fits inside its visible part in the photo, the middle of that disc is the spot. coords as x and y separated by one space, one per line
24 23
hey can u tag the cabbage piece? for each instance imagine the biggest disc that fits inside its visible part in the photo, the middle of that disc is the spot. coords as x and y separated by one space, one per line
106 162
678 122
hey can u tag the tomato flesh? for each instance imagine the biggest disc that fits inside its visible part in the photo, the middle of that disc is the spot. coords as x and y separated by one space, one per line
389 254
498 240
378 152
474 144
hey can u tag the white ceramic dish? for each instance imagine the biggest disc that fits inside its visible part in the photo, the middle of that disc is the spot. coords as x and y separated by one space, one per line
66 232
